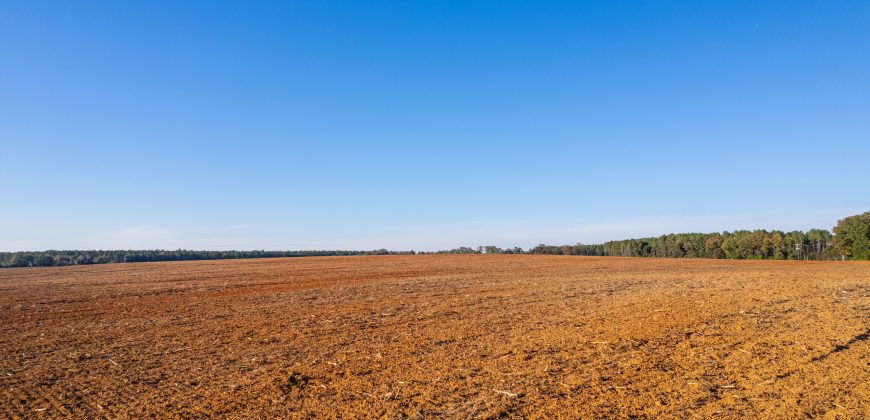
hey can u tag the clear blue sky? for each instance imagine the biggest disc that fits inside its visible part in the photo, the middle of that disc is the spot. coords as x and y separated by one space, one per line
426 124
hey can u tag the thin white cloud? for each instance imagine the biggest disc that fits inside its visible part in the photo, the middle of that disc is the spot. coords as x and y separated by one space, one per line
156 237
140 237
139 232
243 226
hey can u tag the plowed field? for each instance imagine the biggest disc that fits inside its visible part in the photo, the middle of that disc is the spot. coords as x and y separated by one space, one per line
447 336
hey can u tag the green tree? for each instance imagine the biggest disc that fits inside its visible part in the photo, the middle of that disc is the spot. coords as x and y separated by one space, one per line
713 246
45 260
492 249
852 236
731 247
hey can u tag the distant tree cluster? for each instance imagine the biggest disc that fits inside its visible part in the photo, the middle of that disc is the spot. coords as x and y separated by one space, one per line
743 244
460 250
578 249
57 258
489 249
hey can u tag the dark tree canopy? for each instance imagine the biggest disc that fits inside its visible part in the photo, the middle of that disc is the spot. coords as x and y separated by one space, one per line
852 236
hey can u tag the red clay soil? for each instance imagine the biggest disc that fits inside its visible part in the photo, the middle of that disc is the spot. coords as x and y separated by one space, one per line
444 336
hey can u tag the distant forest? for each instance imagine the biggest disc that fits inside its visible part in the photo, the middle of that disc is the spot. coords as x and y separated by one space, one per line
850 239
815 244
71 257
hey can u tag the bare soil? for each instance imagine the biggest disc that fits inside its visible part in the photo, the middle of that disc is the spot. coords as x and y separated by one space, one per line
445 336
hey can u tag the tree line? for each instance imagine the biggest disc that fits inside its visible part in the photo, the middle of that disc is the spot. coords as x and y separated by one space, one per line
815 244
76 257
850 239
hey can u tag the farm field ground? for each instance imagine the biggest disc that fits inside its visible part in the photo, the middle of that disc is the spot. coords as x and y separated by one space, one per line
439 335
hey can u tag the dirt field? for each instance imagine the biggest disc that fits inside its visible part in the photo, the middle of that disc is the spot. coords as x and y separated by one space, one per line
448 336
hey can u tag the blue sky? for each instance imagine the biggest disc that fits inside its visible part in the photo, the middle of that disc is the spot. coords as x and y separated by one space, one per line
426 124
